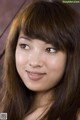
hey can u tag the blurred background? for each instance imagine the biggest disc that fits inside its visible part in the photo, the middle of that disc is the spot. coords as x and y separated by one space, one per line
8 9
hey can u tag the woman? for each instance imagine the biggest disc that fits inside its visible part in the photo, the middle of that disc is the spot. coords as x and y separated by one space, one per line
42 64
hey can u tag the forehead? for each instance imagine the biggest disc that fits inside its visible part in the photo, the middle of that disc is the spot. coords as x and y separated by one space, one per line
25 37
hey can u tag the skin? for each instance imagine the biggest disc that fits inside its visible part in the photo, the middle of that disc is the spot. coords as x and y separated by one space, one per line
38 63
40 67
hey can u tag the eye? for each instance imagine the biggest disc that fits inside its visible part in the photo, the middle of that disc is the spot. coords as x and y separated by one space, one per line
24 46
51 50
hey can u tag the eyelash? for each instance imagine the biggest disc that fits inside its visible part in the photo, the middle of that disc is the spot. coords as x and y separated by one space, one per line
49 50
23 46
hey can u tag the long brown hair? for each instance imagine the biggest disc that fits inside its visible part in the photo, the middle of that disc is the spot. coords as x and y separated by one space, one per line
58 24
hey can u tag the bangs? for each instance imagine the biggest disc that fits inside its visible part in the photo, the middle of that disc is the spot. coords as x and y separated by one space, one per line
44 23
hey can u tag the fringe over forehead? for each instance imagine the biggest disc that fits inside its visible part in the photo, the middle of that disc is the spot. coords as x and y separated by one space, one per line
52 22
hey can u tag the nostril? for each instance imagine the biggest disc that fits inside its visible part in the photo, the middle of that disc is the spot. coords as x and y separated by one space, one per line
35 58
34 64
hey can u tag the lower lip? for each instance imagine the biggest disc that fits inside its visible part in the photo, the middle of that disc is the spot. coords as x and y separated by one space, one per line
35 77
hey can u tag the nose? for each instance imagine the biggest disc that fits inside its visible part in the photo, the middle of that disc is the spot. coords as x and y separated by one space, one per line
35 60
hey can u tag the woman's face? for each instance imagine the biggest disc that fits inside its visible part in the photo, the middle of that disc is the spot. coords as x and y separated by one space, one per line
38 63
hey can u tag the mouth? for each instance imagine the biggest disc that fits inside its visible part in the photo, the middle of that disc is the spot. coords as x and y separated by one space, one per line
35 75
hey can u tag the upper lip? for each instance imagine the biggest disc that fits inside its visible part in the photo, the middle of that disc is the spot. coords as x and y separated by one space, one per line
35 72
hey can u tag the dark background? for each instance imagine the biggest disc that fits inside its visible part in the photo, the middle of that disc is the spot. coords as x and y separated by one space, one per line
8 9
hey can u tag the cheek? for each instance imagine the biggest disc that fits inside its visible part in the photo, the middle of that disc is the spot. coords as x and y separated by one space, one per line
56 70
57 66
20 61
19 58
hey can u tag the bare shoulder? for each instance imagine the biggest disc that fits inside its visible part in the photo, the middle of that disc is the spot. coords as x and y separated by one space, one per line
78 116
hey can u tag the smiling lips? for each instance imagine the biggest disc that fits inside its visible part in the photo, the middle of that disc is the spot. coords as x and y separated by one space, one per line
35 75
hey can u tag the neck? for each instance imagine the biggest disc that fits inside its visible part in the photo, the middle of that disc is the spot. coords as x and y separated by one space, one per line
43 99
